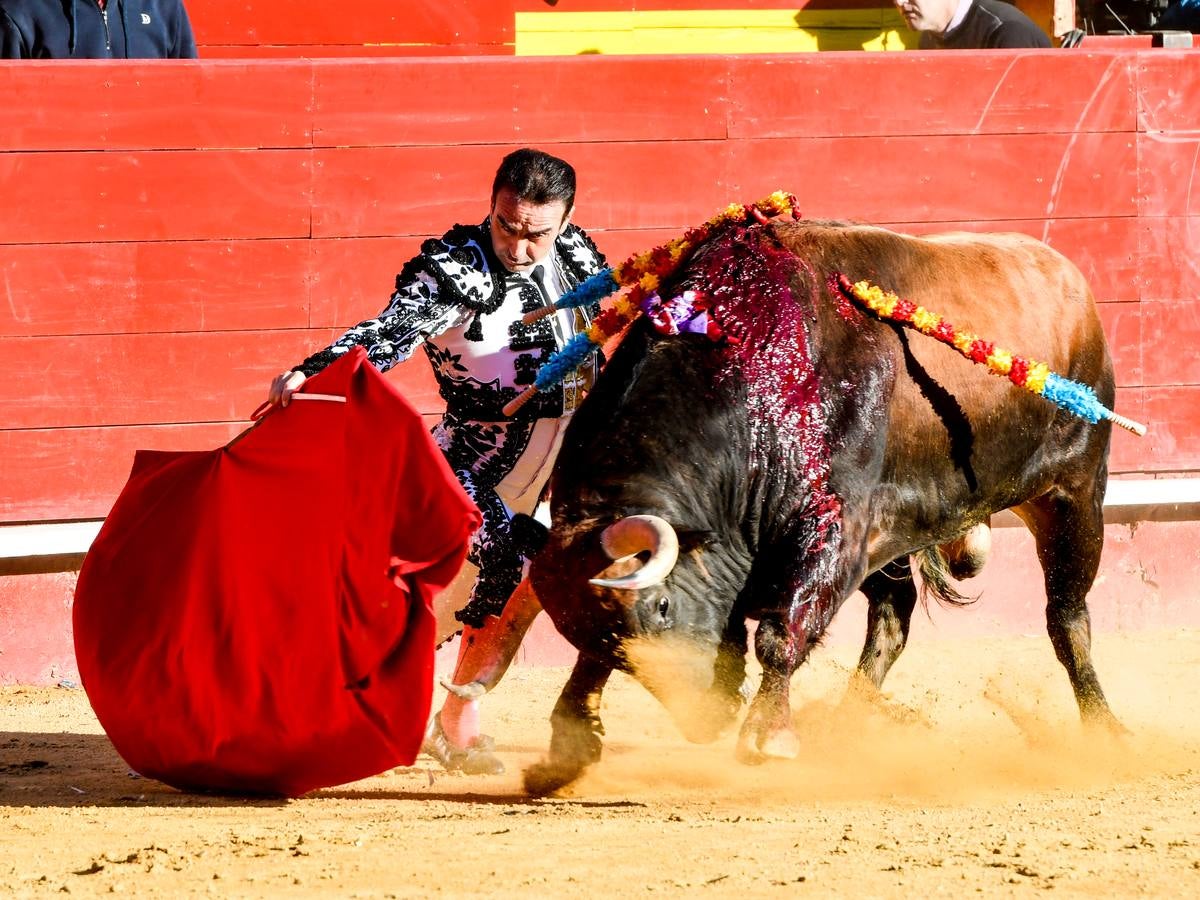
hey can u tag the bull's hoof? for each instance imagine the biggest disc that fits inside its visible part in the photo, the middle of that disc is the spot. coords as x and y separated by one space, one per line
1100 720
780 745
545 778
478 758
709 719
755 748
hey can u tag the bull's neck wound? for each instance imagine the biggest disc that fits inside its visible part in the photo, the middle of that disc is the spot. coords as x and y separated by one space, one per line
639 276
747 280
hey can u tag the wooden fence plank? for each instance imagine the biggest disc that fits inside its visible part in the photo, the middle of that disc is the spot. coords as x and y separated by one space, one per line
899 94
154 195
134 379
1123 326
946 178
374 191
1173 416
342 51
526 101
76 473
1171 343
350 22
1128 452
1166 165
353 278
236 285
158 105
370 191
210 249
76 289
1169 257
1167 85
35 629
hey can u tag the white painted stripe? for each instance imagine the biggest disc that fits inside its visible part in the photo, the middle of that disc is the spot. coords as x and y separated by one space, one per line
1138 500
47 539
1151 492
1126 500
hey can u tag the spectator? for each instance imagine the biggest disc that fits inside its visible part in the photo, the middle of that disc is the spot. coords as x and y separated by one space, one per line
463 299
970 24
95 29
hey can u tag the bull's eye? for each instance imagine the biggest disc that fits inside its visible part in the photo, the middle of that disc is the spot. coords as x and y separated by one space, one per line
663 605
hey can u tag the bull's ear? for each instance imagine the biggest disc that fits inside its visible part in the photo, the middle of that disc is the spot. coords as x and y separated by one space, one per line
528 535
695 540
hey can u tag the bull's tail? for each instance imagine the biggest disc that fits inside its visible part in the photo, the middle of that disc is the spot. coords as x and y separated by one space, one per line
935 578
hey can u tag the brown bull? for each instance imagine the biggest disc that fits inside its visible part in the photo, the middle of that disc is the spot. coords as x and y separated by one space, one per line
770 475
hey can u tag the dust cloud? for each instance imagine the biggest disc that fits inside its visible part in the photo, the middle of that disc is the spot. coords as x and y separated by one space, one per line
959 721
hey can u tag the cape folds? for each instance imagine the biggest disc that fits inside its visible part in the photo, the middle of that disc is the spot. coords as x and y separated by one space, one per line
256 618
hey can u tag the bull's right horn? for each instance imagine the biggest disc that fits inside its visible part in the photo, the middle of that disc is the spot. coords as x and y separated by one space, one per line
631 535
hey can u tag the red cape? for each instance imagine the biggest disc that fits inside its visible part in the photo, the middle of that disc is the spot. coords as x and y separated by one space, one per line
257 618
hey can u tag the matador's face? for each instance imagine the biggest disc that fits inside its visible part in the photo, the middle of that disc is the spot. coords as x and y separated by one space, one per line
523 233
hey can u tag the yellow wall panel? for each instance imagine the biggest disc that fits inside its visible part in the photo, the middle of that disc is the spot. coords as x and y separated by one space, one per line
710 31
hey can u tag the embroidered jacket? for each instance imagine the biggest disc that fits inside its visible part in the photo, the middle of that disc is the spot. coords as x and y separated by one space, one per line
465 307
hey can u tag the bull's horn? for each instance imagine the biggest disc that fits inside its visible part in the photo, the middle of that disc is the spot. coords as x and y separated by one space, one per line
630 536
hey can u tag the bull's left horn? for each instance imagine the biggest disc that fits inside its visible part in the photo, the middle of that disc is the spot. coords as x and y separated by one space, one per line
630 536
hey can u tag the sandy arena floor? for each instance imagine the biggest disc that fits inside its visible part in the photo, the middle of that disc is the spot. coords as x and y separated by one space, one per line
979 780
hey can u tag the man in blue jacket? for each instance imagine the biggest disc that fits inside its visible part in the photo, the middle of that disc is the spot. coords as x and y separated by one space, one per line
95 29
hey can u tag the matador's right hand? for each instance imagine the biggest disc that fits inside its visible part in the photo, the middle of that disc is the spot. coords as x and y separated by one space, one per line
284 386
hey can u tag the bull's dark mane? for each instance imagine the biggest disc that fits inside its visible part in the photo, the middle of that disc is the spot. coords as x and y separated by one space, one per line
720 434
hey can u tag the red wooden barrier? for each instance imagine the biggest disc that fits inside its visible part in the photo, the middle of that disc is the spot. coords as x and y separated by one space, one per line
193 228
173 242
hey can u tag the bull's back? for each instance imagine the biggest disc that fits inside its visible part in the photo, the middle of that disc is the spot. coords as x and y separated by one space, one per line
955 430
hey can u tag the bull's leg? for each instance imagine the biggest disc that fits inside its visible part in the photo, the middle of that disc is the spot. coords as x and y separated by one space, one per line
767 732
891 596
729 673
484 656
576 729
1069 531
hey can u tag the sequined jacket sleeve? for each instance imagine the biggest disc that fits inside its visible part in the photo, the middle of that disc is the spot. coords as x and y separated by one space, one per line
414 313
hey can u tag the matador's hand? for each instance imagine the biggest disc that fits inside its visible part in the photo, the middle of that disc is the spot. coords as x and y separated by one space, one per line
284 386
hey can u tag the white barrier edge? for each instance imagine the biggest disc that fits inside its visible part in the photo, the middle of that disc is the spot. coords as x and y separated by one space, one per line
1127 500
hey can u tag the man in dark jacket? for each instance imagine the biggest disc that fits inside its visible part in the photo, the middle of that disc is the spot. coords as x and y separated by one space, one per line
1181 15
970 24
95 29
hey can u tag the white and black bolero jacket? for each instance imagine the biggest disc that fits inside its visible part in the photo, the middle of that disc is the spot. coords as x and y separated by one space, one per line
466 308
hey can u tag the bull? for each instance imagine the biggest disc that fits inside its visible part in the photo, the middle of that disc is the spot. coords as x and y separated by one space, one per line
812 453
